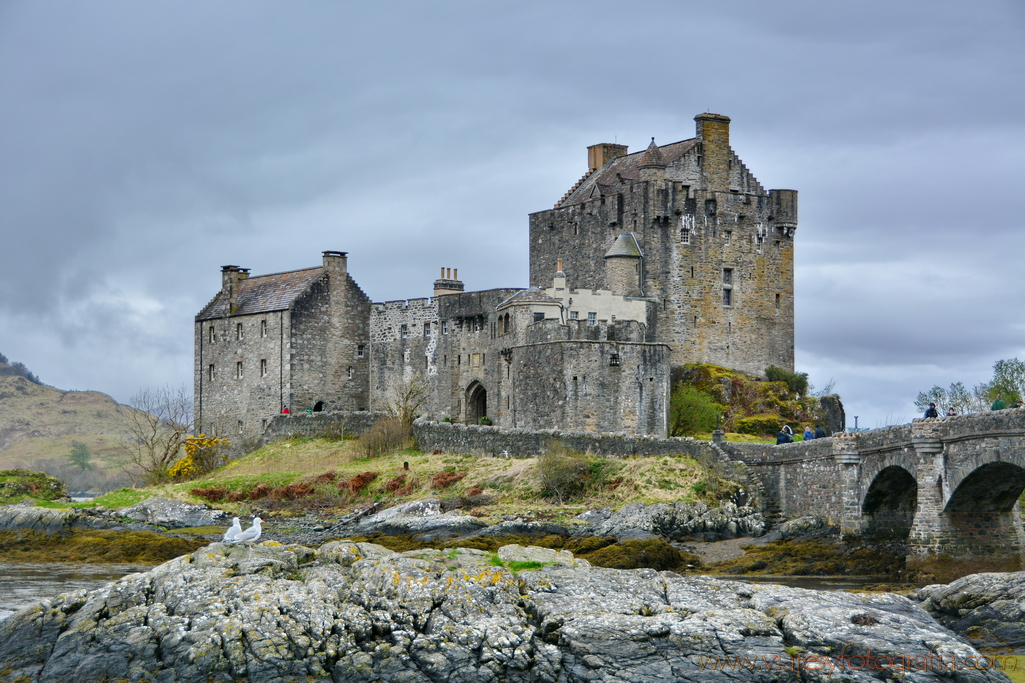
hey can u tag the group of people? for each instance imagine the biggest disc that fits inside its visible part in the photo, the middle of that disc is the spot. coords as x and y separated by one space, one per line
786 434
998 404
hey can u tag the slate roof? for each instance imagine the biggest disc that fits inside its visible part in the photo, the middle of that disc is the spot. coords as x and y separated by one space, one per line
529 296
622 171
625 245
263 293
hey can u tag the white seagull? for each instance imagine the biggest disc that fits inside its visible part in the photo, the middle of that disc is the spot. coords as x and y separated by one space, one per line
234 530
251 534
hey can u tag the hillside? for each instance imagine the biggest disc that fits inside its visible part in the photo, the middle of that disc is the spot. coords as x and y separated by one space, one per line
38 425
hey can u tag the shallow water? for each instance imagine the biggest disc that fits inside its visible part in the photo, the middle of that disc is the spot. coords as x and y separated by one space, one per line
26 583
818 583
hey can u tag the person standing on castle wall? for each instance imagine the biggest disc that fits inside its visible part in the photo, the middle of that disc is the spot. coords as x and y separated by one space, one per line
789 432
782 437
999 403
931 412
951 412
808 433
820 433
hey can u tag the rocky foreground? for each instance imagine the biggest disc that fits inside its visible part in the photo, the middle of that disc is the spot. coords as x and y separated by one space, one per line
358 612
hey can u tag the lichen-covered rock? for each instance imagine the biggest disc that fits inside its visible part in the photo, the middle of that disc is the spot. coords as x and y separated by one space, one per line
26 517
357 612
422 519
987 609
678 521
172 514
800 526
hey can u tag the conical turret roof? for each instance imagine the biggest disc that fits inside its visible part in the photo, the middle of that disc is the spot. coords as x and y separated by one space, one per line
625 245
653 157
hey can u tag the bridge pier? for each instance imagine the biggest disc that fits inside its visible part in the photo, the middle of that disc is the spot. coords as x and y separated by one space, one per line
848 459
968 530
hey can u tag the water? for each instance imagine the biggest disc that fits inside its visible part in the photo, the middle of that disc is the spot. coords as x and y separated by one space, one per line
26 583
818 583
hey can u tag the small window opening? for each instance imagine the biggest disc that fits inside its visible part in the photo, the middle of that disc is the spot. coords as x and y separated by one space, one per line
729 328
360 350
614 360
692 271
263 328
238 332
318 407
349 372
263 367
727 237
727 276
240 427
727 297
238 370
574 315
210 372
444 327
685 235
777 302
403 330
427 329
592 318
538 317
213 336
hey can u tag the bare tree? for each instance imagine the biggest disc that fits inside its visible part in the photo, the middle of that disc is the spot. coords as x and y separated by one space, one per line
157 430
407 397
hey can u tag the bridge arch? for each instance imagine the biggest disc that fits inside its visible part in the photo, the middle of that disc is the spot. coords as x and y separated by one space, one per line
888 508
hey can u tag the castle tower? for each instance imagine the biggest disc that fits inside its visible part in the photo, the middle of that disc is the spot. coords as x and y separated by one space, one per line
623 266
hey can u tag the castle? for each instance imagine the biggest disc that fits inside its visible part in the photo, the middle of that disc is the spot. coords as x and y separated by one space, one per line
651 260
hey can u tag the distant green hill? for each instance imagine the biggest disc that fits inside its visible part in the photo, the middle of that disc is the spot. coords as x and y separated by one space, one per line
39 424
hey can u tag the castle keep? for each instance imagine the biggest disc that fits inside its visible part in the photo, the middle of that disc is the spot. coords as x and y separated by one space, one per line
652 260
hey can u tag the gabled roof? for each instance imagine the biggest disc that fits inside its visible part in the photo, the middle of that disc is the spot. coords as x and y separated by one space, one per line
529 296
263 293
625 169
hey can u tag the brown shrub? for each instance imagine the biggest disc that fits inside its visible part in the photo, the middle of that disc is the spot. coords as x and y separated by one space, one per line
384 437
326 477
291 492
212 495
236 497
408 488
357 483
395 484
474 492
442 480
260 491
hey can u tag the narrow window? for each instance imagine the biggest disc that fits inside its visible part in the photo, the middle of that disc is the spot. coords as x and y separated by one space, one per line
403 330
213 337
238 370
692 271
777 302
538 317
444 327
685 235
263 328
240 430
483 359
729 328
444 361
349 372
263 424
574 315
727 276
459 360
592 318
263 367
427 329
238 332
360 350
727 297
210 372
727 237
695 320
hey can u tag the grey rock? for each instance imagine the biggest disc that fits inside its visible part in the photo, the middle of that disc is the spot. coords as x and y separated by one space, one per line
522 528
422 519
679 521
47 520
173 514
358 612
800 526
987 609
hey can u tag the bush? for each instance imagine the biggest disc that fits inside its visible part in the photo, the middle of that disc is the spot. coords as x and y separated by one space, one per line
562 473
692 411
759 425
357 483
797 382
384 437
443 480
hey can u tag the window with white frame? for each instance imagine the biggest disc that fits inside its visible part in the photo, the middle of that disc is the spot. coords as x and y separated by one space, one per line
592 318
238 370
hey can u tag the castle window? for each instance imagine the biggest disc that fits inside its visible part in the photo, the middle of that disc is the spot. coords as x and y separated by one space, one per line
727 276
427 329
592 318
238 332
459 360
349 372
360 350
240 429
777 302
213 337
238 370
614 360
574 315
727 237
685 235
729 328
210 372
692 271
727 297
538 317
263 367
263 328
444 327
263 424
403 330
444 361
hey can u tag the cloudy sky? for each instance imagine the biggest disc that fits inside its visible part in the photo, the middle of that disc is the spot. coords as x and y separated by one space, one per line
145 144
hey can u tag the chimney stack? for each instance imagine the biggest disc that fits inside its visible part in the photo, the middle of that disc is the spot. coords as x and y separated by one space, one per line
230 278
714 132
448 283
336 263
601 154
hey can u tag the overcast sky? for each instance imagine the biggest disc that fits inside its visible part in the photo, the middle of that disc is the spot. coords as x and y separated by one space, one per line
145 144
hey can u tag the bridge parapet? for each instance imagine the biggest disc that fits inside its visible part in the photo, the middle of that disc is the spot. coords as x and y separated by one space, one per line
846 449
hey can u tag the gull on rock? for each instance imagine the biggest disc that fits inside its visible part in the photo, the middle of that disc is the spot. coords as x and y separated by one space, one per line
233 531
251 534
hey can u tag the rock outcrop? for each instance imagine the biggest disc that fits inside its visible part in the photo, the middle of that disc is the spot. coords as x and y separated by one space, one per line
677 522
173 514
987 609
358 612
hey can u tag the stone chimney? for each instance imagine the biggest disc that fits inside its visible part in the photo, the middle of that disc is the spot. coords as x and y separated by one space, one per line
599 155
714 133
231 276
336 264
448 283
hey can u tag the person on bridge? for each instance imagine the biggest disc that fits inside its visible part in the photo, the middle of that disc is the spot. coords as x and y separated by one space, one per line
820 433
808 433
931 412
999 403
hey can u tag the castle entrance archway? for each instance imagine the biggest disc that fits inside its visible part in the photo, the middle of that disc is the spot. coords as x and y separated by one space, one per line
476 403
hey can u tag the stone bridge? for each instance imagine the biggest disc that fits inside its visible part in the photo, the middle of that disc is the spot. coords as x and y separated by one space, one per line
949 485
